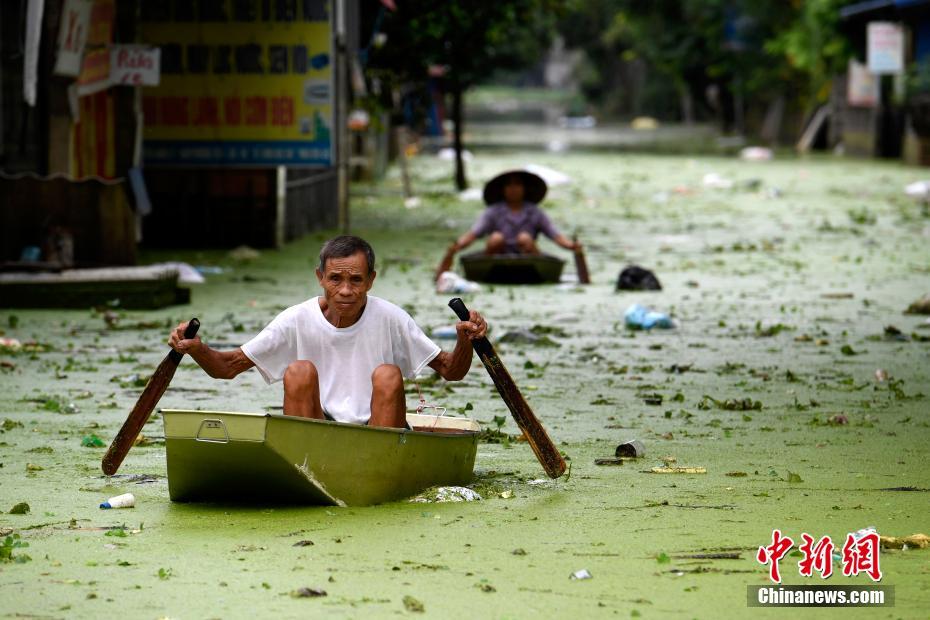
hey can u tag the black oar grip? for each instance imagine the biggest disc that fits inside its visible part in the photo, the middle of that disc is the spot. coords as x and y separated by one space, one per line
458 306
192 326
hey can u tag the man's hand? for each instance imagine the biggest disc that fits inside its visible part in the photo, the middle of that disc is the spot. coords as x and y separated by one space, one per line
177 341
475 327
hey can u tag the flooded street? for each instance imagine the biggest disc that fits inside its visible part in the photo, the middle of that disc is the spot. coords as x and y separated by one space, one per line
792 376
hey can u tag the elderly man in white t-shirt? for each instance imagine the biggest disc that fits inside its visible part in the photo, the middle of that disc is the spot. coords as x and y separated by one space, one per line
343 356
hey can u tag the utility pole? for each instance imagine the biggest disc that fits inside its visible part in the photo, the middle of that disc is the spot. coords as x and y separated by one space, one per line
340 115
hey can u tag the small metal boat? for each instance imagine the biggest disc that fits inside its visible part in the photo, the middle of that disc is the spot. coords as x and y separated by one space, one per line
512 268
265 458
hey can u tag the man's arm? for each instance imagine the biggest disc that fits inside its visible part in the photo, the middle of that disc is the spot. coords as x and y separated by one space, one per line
217 364
454 366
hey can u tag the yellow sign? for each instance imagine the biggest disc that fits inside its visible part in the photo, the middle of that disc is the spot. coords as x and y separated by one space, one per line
243 82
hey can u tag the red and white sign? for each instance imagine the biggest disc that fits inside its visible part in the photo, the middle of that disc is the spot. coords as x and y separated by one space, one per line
134 65
72 35
885 42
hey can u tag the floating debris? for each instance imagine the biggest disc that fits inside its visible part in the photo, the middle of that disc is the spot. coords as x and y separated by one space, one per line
921 306
440 495
677 470
308 593
914 541
633 449
412 604
21 508
581 574
126 500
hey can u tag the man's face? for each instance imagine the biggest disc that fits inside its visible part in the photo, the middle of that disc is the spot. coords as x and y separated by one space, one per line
513 190
346 283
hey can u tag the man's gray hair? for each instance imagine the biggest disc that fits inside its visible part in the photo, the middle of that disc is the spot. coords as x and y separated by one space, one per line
346 245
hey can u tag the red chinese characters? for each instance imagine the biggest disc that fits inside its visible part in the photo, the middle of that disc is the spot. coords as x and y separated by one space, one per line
774 552
817 557
282 111
860 555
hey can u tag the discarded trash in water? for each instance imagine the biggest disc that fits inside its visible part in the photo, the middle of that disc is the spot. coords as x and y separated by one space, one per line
126 500
919 189
713 180
308 592
413 604
633 449
755 153
10 345
640 317
857 536
678 470
581 574
636 278
451 282
506 494
413 202
921 306
837 419
21 508
914 541
444 333
616 461
440 495
881 375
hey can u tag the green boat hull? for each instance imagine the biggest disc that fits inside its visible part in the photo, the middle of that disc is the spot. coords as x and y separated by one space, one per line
512 268
264 458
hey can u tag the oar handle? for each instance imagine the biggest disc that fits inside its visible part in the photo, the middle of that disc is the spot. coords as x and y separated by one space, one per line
192 326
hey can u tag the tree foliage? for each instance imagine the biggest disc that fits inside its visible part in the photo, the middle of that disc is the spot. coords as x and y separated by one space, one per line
469 40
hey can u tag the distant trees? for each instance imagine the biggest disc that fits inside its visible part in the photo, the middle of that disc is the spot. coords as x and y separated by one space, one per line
469 40
743 51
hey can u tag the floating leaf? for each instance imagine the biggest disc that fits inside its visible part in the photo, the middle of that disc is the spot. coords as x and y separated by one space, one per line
92 441
412 604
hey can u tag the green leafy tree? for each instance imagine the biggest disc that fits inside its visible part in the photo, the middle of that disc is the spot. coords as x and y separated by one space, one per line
470 40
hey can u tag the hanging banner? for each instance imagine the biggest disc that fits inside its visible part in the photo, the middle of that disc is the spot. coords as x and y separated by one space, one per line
95 72
242 83
885 43
72 35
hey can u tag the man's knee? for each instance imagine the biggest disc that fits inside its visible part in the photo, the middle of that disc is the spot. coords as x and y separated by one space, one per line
387 377
300 374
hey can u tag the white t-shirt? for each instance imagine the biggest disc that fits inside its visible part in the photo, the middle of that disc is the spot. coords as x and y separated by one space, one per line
344 357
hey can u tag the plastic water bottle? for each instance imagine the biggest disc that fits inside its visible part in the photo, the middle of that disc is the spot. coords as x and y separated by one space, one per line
126 500
640 317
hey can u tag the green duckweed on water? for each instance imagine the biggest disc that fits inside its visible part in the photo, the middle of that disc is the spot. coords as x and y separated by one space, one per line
783 380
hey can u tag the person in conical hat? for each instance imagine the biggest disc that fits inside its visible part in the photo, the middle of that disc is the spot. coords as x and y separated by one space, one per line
513 219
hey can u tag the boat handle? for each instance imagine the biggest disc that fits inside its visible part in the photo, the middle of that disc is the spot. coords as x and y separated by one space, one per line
212 424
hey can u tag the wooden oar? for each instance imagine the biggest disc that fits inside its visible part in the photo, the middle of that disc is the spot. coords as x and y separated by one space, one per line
144 406
581 265
446 263
548 455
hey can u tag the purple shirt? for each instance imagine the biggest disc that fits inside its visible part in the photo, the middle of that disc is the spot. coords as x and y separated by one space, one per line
500 218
